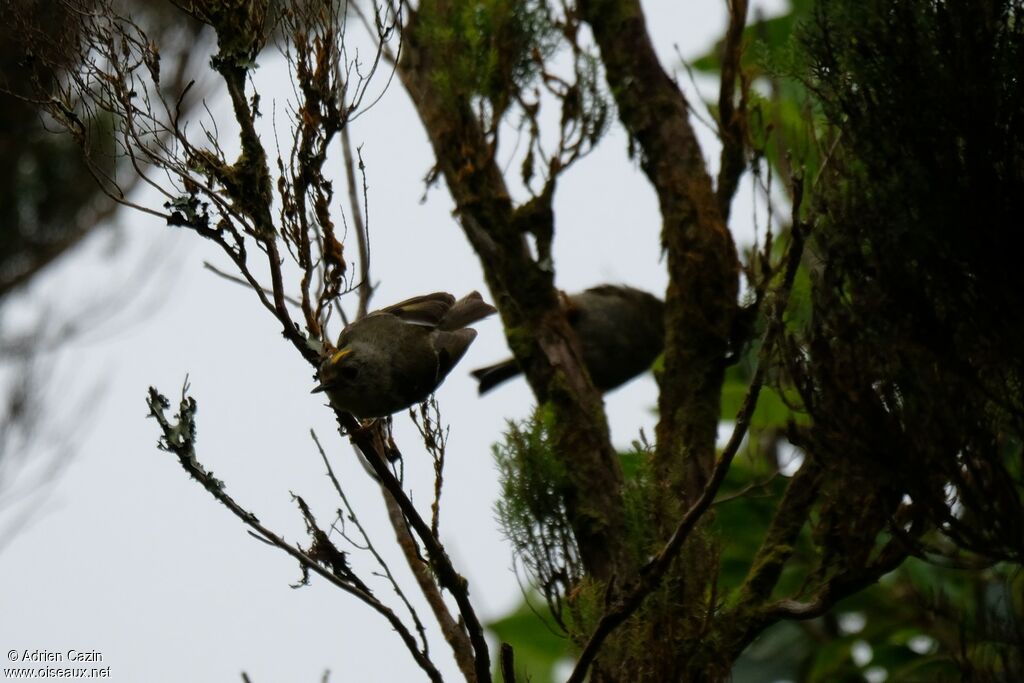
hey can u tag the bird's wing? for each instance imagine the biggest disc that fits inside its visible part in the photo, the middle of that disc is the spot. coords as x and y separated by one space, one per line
427 310
450 347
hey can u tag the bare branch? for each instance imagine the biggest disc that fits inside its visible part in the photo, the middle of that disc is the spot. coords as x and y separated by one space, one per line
454 633
368 545
732 119
241 281
179 438
365 287
449 579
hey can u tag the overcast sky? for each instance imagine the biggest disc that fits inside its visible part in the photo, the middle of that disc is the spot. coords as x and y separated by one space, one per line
130 558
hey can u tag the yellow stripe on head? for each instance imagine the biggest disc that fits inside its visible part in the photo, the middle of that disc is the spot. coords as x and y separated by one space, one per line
339 355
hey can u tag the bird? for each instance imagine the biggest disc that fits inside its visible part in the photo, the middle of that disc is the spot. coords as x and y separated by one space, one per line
620 330
397 357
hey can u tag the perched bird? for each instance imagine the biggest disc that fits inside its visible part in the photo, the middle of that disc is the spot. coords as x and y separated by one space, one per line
396 357
620 330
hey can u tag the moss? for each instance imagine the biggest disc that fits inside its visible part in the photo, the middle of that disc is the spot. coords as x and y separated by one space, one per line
532 510
520 340
246 182
765 570
241 27
485 48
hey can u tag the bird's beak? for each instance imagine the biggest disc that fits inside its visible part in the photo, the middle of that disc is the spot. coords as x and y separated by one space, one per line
335 358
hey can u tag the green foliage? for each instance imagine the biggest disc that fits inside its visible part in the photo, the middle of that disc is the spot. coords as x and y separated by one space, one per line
531 509
489 48
913 371
914 362
901 373
538 643
782 116
543 628
637 497
913 625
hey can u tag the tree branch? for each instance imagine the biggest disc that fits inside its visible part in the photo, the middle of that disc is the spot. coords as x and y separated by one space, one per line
454 634
449 579
368 543
179 438
653 572
362 235
702 262
508 666
840 586
524 292
777 547
732 124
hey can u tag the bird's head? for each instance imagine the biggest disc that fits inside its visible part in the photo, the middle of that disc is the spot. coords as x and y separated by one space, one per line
339 369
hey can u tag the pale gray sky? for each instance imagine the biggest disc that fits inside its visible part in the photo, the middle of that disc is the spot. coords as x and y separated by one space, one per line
130 558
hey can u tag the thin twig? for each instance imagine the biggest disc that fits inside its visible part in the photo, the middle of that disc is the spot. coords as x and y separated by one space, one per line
447 576
362 235
748 488
705 117
435 439
234 278
368 544
178 439
732 120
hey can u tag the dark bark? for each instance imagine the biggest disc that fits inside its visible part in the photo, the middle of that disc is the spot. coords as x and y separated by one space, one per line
524 292
700 305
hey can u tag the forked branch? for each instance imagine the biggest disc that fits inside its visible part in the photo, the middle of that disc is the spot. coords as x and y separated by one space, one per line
179 438
651 574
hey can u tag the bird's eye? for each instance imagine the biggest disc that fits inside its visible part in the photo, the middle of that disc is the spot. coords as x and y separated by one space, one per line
349 372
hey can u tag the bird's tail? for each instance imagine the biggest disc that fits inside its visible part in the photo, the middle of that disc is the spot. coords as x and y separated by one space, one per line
493 375
466 311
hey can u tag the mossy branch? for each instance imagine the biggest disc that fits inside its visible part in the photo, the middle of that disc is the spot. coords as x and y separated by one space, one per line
523 290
